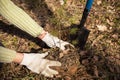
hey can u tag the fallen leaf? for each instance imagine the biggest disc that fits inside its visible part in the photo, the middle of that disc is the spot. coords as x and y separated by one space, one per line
61 2
72 70
109 22
96 71
67 78
115 36
63 53
99 2
102 28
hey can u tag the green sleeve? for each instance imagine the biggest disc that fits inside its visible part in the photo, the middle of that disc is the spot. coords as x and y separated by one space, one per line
19 18
6 55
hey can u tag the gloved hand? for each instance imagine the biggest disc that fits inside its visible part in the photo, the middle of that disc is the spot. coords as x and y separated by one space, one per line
37 64
53 41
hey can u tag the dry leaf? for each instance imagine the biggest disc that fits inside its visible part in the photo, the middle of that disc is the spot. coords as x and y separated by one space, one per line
115 36
109 22
96 71
61 2
63 53
99 2
67 78
102 27
72 70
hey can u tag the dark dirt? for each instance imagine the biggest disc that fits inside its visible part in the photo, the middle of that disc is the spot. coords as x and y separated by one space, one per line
69 59
99 61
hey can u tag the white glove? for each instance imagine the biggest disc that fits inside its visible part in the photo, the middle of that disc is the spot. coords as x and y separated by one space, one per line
37 64
53 41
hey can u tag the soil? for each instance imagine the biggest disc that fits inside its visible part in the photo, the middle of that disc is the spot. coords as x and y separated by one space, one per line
100 60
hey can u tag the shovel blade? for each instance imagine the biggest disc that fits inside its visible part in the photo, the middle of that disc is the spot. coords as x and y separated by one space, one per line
82 37
79 38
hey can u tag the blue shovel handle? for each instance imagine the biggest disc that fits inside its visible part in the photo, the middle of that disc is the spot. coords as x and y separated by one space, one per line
89 4
86 12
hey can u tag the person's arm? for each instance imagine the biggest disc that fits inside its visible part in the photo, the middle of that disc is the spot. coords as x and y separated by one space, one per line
6 55
19 18
34 62
22 20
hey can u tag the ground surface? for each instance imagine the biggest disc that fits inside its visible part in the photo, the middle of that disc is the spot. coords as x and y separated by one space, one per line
99 61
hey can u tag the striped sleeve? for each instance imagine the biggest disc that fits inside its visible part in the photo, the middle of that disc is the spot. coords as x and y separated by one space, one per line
7 55
19 18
